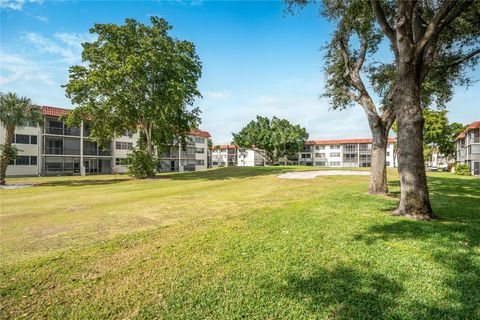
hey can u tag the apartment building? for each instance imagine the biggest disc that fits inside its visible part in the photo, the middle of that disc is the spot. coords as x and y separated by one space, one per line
224 155
193 158
250 157
55 149
342 153
468 147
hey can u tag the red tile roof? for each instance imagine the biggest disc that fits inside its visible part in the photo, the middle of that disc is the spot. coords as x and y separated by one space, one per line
473 125
345 141
54 112
200 133
224 146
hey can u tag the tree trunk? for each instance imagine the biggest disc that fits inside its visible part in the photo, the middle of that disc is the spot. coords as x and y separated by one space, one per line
378 170
151 151
5 160
414 198
150 148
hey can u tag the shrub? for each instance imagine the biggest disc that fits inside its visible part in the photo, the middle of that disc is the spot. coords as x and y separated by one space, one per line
141 164
462 170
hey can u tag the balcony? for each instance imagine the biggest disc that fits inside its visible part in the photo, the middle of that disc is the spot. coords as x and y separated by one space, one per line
60 151
474 140
62 131
76 152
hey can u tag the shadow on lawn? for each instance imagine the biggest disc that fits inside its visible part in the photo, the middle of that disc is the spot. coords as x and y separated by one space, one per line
81 182
452 242
229 173
347 292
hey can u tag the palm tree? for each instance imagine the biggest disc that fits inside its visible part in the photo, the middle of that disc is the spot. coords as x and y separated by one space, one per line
14 112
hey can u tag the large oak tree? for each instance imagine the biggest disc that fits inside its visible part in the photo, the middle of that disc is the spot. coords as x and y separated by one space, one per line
136 76
432 44
273 138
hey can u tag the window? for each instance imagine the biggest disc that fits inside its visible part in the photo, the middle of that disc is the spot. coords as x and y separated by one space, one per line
28 124
22 161
306 155
350 147
33 139
322 147
320 155
335 154
22 138
365 147
350 157
334 146
388 163
120 161
190 150
200 162
320 164
388 153
199 140
128 134
200 150
365 157
335 163
123 145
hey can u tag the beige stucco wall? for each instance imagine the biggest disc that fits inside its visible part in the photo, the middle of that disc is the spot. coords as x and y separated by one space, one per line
24 150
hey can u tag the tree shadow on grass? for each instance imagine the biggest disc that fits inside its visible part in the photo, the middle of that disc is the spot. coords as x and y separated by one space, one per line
345 293
229 173
452 242
69 182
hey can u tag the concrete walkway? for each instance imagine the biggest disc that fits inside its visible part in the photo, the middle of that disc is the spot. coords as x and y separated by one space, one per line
313 174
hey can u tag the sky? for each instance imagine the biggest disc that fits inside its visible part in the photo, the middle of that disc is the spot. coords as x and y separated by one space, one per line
257 59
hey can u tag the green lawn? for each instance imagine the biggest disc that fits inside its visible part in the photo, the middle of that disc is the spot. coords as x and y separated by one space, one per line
236 243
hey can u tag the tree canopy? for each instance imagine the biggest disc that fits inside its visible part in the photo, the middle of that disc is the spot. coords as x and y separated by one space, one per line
136 76
274 137
433 44
439 134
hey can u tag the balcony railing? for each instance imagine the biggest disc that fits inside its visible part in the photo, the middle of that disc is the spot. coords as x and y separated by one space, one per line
60 151
87 152
63 131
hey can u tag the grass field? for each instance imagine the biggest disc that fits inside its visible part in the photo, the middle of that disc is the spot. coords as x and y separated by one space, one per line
236 243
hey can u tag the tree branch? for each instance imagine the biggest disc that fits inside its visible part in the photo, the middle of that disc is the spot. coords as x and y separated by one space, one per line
388 117
448 11
353 96
354 78
362 54
346 58
418 23
384 25
463 59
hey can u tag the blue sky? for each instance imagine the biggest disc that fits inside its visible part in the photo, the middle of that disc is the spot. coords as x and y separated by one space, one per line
256 59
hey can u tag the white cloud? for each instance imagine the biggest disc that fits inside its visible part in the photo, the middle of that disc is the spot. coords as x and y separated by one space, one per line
40 18
17 68
16 4
67 45
217 95
267 100
296 101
